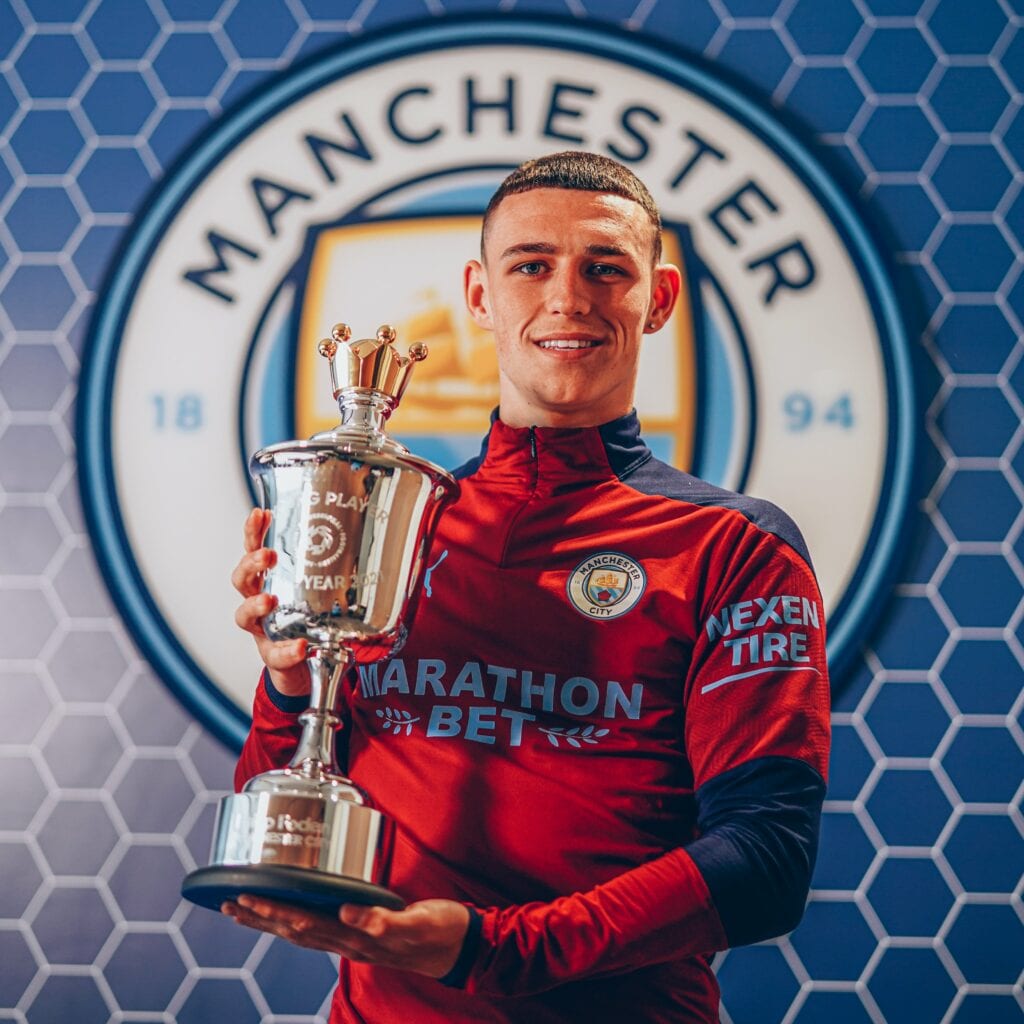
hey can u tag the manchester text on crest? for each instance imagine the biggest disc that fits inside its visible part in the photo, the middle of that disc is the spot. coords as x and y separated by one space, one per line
413 115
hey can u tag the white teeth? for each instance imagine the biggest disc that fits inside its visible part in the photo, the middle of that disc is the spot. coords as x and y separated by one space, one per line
566 343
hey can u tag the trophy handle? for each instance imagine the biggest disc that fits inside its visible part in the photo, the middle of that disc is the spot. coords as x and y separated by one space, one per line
315 756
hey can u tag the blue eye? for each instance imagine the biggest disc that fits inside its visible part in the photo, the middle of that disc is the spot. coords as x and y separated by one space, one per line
605 270
530 269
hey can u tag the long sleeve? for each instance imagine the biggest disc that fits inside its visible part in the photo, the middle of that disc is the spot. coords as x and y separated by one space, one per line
274 733
660 911
745 879
756 733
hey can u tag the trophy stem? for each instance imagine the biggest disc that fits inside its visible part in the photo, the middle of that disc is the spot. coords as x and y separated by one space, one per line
364 410
315 753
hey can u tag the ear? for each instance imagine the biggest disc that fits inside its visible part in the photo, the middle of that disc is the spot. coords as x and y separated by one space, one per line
474 288
666 286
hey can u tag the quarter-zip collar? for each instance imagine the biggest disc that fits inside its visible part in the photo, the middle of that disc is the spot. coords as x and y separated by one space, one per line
552 459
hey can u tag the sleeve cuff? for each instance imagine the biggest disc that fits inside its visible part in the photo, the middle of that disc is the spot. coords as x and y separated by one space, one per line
457 976
281 701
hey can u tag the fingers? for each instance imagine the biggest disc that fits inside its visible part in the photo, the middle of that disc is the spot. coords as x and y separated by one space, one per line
283 656
302 927
249 613
309 928
255 529
282 915
425 937
247 576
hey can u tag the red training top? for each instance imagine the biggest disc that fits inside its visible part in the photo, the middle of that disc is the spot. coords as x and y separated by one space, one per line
608 731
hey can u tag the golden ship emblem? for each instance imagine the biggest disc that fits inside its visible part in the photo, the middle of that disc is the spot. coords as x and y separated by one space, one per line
412 267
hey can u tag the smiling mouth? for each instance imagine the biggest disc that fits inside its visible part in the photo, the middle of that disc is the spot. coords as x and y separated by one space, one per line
565 344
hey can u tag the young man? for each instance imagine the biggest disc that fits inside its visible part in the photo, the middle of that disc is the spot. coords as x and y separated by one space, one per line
622 668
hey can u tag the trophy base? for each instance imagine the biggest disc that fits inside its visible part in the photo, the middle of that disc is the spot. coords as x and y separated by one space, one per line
316 890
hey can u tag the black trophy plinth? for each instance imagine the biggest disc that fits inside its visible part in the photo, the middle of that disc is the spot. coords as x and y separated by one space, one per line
210 887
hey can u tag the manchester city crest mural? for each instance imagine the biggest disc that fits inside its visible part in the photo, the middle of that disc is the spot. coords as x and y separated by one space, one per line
352 188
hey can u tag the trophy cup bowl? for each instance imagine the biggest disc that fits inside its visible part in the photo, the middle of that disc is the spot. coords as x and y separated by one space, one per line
352 516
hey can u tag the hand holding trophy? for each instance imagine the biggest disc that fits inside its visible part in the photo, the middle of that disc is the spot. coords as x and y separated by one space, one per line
353 513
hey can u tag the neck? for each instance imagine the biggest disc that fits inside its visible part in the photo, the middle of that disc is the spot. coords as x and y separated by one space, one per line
517 414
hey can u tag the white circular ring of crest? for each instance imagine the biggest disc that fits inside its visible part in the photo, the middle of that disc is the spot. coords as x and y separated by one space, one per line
161 395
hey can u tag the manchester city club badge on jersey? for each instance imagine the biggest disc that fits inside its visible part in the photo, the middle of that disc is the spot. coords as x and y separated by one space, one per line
356 182
606 585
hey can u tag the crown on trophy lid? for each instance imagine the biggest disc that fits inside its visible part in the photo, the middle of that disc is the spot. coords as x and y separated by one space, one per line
370 364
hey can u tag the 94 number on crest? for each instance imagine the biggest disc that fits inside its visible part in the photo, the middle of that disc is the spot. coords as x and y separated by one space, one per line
803 412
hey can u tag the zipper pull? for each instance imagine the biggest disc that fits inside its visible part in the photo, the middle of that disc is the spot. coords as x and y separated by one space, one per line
533 443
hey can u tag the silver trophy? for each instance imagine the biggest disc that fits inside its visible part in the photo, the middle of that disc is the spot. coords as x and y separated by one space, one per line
353 513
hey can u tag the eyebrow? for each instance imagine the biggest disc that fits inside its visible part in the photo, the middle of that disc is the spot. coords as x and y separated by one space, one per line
526 248
546 249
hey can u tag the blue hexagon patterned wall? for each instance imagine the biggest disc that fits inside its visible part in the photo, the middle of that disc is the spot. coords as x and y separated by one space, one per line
107 785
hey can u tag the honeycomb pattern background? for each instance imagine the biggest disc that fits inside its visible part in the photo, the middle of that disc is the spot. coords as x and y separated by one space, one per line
106 785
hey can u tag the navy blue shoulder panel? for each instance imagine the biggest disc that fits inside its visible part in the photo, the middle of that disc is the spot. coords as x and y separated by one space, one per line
759 823
470 467
655 477
623 445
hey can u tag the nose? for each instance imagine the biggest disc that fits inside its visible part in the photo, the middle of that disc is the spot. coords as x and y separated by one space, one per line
568 293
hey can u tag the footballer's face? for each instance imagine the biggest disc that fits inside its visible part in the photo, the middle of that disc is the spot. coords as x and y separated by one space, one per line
569 287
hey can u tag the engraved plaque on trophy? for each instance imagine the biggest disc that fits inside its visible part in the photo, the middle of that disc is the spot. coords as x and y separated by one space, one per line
353 513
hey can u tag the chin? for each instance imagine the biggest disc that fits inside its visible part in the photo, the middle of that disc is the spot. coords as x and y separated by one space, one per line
581 411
